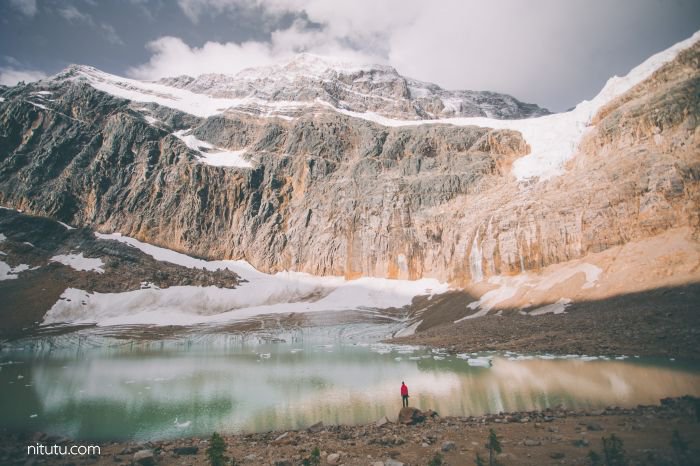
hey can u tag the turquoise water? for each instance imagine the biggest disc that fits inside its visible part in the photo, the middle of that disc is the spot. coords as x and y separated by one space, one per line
151 390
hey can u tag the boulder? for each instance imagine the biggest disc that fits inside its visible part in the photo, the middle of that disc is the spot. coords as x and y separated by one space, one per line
448 446
333 459
315 428
186 450
382 421
392 462
411 416
144 458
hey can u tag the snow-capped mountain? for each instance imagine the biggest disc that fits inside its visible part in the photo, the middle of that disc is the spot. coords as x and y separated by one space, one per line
334 169
313 82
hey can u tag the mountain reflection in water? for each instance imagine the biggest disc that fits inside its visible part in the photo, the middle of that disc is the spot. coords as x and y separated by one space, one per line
158 393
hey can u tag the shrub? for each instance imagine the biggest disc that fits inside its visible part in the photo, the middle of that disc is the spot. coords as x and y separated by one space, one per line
613 451
595 459
314 459
494 446
436 460
216 449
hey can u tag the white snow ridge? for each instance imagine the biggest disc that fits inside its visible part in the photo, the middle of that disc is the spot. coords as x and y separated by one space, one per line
281 293
553 139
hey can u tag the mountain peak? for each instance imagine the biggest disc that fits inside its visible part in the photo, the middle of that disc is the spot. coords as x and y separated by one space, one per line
312 65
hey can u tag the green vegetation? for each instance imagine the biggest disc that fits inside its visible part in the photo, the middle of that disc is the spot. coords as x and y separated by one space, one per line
494 447
216 452
595 459
314 459
436 460
479 461
613 453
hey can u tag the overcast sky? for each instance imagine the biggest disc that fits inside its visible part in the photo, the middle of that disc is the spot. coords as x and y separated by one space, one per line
551 52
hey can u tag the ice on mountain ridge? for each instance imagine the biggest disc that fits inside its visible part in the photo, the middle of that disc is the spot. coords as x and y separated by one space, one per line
553 139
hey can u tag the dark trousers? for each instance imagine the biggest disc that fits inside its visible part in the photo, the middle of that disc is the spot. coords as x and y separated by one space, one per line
405 400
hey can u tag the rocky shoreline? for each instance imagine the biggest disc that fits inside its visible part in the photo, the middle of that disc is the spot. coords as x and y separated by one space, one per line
552 436
662 323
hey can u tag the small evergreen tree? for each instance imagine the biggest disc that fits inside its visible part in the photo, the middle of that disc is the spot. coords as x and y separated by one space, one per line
479 461
216 449
314 459
494 446
436 460
680 446
613 451
595 459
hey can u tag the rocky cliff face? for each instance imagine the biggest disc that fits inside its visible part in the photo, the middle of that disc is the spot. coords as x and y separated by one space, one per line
329 193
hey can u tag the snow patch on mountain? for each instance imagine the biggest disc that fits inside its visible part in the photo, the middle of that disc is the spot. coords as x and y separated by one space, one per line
211 155
260 294
292 89
79 262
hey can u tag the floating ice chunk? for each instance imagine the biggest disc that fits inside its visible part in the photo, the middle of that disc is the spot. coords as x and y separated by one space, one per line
479 362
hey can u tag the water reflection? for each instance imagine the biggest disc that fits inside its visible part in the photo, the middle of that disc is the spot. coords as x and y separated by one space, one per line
156 393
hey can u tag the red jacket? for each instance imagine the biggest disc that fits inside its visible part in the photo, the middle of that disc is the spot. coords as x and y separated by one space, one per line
404 390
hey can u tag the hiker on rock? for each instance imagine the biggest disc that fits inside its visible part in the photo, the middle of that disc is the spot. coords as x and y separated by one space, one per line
404 394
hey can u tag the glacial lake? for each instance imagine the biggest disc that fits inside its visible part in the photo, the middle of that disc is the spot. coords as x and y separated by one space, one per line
141 390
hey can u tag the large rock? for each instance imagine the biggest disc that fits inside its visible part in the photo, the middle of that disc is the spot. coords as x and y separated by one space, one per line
315 428
411 416
382 421
144 458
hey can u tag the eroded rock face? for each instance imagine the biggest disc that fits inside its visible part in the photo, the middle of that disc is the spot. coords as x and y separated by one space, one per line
332 194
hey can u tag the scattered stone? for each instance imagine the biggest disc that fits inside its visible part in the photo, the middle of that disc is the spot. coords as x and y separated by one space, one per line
392 462
382 421
580 443
532 443
187 450
144 458
316 428
594 427
448 446
333 459
557 455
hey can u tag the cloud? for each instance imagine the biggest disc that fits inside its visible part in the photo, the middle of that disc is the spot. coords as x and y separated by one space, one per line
171 56
11 76
26 7
72 14
550 52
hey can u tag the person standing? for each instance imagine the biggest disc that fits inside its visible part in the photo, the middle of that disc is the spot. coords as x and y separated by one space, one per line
404 394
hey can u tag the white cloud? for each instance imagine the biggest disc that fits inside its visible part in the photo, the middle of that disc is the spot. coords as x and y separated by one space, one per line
26 7
11 76
72 14
541 51
173 57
